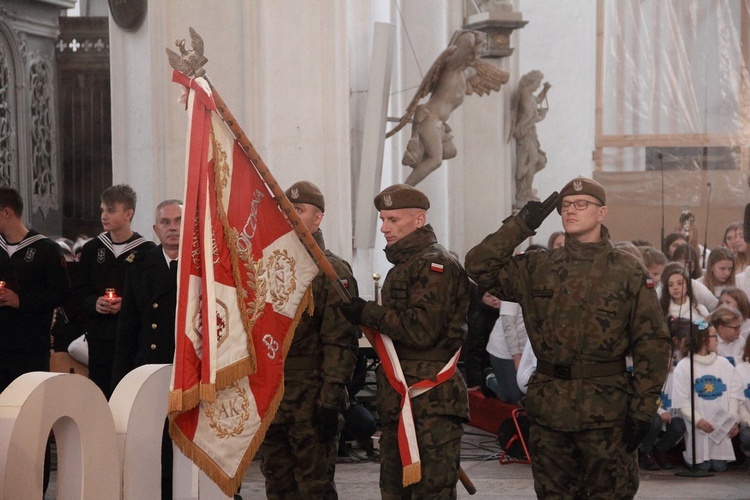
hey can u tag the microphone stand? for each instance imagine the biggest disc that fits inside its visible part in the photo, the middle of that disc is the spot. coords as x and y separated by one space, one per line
705 234
660 155
692 472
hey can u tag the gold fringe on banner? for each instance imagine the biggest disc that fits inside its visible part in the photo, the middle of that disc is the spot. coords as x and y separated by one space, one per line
208 393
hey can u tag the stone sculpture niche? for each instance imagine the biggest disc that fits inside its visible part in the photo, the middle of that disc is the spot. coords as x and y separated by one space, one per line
458 71
530 158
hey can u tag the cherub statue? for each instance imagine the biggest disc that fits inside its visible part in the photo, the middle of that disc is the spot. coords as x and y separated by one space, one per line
530 158
457 72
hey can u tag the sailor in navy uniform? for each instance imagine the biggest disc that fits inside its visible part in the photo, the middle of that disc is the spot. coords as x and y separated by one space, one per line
35 278
102 266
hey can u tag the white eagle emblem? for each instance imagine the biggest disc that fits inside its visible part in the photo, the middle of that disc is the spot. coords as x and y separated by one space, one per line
295 193
387 201
577 185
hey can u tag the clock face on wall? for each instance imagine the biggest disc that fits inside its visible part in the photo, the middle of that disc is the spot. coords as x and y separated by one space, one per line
128 14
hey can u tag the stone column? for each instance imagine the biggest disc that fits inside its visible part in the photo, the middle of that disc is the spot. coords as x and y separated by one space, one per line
28 109
281 67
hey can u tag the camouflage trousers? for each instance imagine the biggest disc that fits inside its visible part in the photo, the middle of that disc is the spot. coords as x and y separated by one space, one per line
296 464
583 464
439 440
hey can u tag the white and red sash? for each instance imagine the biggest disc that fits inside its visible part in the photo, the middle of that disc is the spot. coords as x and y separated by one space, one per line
407 435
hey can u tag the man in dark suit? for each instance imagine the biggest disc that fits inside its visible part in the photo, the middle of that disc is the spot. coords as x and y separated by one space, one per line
145 330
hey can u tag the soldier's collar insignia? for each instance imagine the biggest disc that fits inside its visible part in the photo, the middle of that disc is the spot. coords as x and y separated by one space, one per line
130 258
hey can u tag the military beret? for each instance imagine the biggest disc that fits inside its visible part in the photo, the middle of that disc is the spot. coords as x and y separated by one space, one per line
583 185
306 192
401 196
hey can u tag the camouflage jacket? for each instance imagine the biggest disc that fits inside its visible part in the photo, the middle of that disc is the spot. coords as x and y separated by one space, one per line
425 303
321 358
583 304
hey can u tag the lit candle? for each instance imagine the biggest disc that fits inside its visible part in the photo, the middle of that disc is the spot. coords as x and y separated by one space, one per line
110 293
2 286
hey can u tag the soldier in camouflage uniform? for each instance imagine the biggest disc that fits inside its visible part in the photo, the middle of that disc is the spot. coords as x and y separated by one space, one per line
299 451
586 306
425 302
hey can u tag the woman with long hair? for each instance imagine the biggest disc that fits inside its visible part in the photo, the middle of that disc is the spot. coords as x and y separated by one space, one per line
719 270
675 300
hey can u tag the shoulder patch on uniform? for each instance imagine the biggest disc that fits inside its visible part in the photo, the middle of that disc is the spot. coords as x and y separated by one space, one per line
649 283
344 282
436 267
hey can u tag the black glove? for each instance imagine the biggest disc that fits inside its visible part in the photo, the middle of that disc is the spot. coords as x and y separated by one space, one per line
327 421
353 310
635 431
534 212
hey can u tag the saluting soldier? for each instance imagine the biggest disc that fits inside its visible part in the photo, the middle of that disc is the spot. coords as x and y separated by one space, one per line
425 303
298 454
586 306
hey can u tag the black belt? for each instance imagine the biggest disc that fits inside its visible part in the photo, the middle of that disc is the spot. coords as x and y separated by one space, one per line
593 370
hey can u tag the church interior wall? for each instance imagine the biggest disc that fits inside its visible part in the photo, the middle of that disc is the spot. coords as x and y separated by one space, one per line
296 75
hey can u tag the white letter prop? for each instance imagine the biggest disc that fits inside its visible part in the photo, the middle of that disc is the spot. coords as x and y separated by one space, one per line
139 408
75 409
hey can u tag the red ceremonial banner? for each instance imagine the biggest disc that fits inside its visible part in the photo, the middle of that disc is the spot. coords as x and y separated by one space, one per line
243 284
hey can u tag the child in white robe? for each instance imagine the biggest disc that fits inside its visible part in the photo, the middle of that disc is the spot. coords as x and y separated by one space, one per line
715 390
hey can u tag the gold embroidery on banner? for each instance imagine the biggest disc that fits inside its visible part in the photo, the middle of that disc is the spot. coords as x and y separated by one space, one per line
195 252
223 329
235 411
221 171
196 322
281 276
247 274
214 248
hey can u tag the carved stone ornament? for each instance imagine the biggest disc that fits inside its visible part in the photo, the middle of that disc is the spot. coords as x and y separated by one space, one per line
128 14
7 121
44 181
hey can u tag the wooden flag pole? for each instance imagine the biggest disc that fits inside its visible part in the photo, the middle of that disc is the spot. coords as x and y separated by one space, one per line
281 199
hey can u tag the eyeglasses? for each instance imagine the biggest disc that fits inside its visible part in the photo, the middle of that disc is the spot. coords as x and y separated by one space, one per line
579 204
735 328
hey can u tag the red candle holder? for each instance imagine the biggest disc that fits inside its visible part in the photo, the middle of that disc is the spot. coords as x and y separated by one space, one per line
110 293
